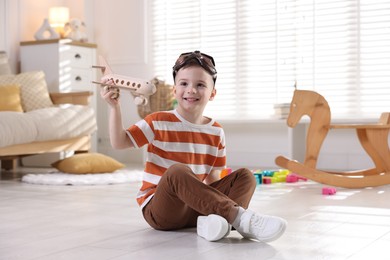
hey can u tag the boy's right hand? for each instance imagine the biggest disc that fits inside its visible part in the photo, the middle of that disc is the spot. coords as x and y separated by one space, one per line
108 93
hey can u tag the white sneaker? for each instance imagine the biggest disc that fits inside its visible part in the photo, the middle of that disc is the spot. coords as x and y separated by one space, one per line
261 227
212 227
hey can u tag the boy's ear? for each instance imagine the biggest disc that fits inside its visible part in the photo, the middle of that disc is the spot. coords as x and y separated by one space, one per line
213 93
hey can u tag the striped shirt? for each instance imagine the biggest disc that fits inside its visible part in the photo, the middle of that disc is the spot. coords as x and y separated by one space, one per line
171 139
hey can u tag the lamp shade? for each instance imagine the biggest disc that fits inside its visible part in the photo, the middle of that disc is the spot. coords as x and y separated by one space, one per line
58 16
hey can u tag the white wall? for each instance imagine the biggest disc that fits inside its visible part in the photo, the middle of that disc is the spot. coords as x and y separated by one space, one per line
2 25
121 35
122 40
257 144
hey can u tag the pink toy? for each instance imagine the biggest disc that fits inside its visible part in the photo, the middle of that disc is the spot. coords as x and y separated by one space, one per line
328 191
293 177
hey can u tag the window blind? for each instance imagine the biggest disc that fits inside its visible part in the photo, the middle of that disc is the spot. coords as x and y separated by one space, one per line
340 49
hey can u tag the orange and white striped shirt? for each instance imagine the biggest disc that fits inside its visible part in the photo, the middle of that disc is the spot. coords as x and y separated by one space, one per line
171 139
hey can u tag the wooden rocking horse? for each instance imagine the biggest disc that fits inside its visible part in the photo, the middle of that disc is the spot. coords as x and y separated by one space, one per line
373 138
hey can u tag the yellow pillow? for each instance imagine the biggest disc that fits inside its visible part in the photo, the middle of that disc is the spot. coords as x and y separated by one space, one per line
84 163
10 98
34 93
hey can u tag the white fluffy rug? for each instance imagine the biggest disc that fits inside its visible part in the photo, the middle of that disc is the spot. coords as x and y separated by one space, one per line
60 178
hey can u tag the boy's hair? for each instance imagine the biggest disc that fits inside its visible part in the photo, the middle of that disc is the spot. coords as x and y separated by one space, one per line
195 58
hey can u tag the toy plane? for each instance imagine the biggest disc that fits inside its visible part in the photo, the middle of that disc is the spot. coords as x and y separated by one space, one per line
140 89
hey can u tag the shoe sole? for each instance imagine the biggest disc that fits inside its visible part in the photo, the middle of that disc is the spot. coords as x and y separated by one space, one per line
212 227
277 235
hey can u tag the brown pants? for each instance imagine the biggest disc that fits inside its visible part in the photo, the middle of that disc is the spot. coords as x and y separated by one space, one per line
181 197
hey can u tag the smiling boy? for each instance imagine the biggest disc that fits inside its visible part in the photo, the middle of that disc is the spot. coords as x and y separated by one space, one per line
186 150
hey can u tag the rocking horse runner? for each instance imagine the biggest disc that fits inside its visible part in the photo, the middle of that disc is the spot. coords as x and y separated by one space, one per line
373 138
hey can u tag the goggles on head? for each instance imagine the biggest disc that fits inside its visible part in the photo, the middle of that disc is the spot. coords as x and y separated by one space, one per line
204 60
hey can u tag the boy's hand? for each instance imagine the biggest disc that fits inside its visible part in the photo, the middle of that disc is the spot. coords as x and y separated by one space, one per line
110 94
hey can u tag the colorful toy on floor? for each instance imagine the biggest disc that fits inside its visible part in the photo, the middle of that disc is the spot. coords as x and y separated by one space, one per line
268 173
293 177
280 176
267 180
225 172
328 191
270 176
259 176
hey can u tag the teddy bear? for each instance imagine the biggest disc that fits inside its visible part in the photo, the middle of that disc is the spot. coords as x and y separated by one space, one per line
74 30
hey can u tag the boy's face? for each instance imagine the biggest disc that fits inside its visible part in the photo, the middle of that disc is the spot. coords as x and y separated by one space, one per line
194 87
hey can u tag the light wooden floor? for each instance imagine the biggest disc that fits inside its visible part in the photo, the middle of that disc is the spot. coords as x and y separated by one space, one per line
104 222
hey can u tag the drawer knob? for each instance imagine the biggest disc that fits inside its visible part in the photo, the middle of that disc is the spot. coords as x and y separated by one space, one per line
78 78
77 56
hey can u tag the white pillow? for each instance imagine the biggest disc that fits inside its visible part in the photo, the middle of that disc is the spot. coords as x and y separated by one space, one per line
34 93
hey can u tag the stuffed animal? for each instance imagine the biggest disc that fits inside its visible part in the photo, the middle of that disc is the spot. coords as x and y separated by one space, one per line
74 30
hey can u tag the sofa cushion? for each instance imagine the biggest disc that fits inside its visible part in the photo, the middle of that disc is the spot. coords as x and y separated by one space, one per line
10 98
16 128
86 163
46 124
34 93
63 122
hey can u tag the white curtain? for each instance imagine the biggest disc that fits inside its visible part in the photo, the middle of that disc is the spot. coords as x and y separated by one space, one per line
339 48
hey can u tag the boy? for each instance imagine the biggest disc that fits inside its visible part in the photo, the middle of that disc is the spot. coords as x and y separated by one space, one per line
186 150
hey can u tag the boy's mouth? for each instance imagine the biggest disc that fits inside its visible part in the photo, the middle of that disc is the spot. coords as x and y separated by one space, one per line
191 99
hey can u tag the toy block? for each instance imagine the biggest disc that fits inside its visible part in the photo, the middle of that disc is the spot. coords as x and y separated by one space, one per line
328 191
284 172
268 173
281 178
267 180
277 174
225 172
293 177
259 177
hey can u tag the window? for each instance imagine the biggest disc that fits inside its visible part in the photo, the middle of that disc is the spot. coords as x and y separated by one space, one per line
339 48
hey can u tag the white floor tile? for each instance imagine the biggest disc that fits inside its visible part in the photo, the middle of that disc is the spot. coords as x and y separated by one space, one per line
105 222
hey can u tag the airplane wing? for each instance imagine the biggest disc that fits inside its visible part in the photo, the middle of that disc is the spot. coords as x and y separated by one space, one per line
140 89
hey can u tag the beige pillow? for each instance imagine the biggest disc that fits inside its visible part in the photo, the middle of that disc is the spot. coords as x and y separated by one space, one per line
33 93
10 98
85 163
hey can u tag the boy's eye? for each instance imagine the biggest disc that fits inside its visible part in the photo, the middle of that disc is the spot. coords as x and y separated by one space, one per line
183 84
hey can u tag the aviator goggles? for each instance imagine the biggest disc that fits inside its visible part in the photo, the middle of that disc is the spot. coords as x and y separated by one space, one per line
204 60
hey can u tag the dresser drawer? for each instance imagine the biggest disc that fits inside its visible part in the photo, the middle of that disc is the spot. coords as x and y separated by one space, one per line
80 79
77 57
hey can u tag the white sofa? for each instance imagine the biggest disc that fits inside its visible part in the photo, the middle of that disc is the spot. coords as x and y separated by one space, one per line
34 121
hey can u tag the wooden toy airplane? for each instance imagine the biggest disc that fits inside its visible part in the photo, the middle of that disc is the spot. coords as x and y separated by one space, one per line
140 89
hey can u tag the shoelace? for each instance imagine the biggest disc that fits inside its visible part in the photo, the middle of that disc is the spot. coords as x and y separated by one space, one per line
250 219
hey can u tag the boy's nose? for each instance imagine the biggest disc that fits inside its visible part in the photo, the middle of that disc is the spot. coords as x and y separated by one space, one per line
192 89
